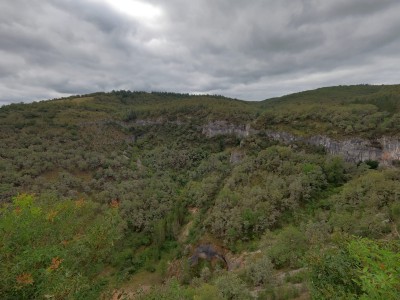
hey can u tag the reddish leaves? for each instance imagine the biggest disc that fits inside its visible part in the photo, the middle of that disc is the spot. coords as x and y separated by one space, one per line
25 279
55 263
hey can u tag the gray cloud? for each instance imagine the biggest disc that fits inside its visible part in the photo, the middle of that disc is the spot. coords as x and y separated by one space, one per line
243 49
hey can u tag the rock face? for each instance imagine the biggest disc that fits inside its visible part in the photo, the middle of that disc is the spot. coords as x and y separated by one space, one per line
215 128
207 252
385 150
353 150
391 148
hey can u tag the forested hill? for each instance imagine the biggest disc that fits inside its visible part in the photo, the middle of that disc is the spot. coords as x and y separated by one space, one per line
150 195
361 110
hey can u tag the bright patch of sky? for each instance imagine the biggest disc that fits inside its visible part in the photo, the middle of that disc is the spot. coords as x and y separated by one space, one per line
139 10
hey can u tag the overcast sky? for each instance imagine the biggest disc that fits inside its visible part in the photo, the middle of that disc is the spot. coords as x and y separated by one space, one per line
246 49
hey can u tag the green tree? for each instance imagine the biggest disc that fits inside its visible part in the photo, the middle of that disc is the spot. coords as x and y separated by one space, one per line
231 287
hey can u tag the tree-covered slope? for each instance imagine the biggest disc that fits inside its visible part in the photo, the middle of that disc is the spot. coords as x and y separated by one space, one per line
183 178
361 110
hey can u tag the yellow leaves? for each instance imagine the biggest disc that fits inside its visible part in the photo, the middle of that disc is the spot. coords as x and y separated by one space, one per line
25 279
55 264
23 200
79 203
25 203
51 215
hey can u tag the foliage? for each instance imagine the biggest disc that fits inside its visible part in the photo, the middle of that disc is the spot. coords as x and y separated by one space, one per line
55 249
231 287
337 111
259 270
362 207
379 268
261 189
171 291
288 248
173 186
356 269
332 274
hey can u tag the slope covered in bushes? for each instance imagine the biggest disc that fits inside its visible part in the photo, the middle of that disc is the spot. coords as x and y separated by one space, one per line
129 185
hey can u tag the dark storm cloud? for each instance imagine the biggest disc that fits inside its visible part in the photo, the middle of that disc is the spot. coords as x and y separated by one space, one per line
244 49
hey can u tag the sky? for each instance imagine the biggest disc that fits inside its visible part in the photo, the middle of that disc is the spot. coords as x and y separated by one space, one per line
245 49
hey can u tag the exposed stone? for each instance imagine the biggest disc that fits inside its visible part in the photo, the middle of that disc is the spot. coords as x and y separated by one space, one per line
139 164
215 128
147 122
207 252
390 148
385 150
236 156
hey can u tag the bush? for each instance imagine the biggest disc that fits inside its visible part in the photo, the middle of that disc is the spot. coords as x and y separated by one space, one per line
373 164
332 273
284 292
356 269
172 290
231 287
289 248
260 270
55 248
379 269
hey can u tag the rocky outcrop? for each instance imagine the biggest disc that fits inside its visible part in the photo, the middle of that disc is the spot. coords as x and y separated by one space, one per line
236 156
148 122
215 128
385 150
207 252
390 149
353 150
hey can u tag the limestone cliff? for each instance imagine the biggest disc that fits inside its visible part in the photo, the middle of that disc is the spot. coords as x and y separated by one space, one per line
385 150
224 128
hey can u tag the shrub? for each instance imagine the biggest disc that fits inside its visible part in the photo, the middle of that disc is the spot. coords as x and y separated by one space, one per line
55 248
289 248
231 287
356 268
373 164
332 273
260 270
378 269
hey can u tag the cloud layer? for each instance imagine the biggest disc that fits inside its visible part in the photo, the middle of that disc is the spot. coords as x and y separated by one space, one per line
244 49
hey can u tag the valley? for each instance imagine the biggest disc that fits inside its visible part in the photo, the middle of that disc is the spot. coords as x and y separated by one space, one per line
136 195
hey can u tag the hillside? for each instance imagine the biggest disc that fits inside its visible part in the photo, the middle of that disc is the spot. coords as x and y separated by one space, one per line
362 110
150 195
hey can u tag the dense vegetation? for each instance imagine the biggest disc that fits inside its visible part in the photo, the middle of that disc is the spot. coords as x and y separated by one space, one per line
364 110
109 194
